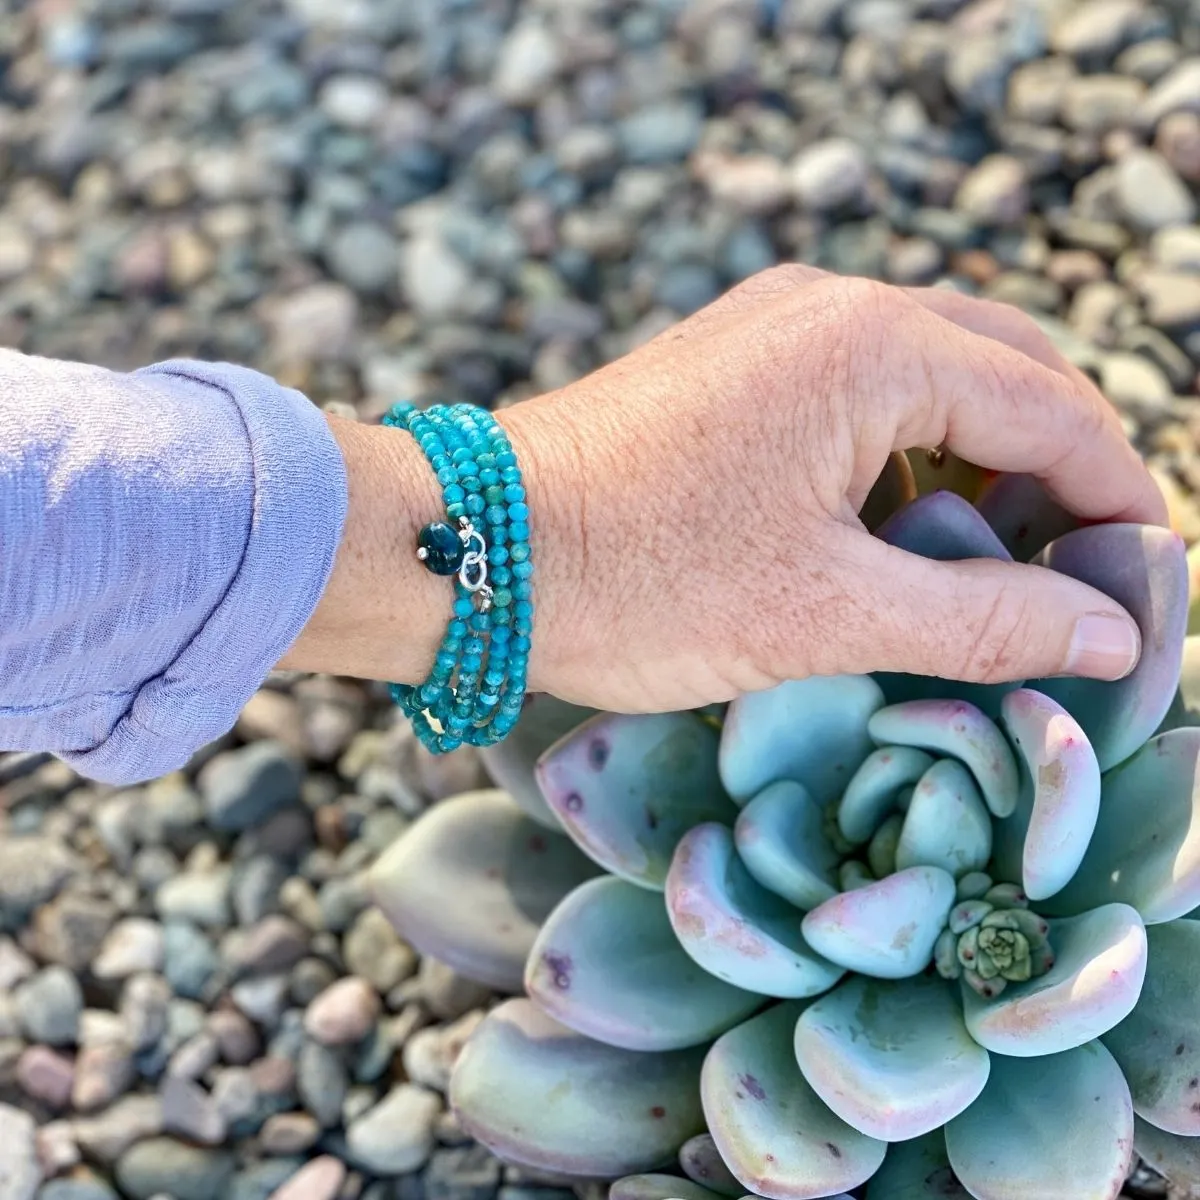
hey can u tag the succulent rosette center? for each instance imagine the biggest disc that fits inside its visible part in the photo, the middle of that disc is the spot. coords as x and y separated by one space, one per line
928 937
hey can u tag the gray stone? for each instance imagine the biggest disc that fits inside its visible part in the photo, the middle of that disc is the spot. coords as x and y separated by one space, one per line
190 960
315 324
310 978
1177 249
353 101
238 1042
263 999
1149 192
364 256
46 1076
70 929
996 192
664 132
433 279
133 945
256 887
322 1081
527 65
107 1135
344 1013
32 870
189 1111
373 950
1097 29
1162 352
275 944
320 1179
1171 298
196 1057
396 1135
687 287
261 1180
447 994
289 1133
163 1166
1178 91
144 1005
102 1073
201 897
1097 103
48 1006
466 1173
15 965
430 1054
1131 381
244 787
829 174
20 1171
88 1188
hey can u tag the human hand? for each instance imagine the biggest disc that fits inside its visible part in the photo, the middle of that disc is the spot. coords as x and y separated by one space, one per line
695 502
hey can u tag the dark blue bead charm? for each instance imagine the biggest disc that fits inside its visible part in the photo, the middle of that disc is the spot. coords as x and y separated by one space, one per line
441 549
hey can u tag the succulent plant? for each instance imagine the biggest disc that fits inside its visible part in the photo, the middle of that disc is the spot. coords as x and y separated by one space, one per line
927 937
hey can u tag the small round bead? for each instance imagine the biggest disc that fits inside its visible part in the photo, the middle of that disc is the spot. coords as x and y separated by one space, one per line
522 589
518 531
494 494
500 637
468 470
456 509
475 505
453 492
460 455
496 514
447 476
488 476
502 576
506 458
510 475
519 550
470 482
463 607
498 555
522 570
502 597
514 492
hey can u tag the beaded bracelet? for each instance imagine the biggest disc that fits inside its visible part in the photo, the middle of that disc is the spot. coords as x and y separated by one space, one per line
477 685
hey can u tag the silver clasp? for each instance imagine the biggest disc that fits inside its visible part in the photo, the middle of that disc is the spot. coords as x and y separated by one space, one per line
474 570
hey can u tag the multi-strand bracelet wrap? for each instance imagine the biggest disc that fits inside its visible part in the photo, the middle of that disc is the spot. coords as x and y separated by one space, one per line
476 688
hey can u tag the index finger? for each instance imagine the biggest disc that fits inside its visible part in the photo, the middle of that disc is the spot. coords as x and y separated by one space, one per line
999 408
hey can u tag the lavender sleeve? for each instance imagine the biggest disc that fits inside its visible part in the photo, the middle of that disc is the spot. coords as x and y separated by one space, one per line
164 537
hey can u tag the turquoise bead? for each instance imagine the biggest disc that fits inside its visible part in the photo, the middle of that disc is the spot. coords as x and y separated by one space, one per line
502 597
514 492
506 459
494 494
488 476
518 513
502 576
496 514
522 570
518 551
498 555
453 492
518 531
456 509
475 504
522 589
447 476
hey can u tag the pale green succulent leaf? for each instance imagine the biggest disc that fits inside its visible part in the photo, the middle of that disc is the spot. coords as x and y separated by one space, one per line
779 837
472 880
1185 705
1045 839
887 929
607 964
1023 515
539 1094
871 795
777 1136
959 729
627 788
1158 1044
813 731
891 1058
510 763
947 824
1027 1135
736 929
917 1170
1145 850
1175 1157
1143 568
1099 966
659 1187
702 1163
944 526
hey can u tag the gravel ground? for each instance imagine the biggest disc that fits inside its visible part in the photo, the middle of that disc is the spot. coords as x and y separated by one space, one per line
481 199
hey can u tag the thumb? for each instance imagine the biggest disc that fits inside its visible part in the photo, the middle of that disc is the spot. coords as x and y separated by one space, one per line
985 621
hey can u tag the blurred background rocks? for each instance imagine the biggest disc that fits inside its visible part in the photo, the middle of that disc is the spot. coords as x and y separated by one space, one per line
475 200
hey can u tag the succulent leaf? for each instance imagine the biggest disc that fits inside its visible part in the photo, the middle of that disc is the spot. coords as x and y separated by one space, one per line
736 929
894 488
1143 568
510 763
813 731
627 788
1045 839
775 1133
608 965
472 880
1185 705
659 1187
537 1093
1026 1135
947 824
917 1170
892 1059
942 525
1158 1044
1178 1158
780 839
886 929
871 795
1145 850
1023 515
881 850
702 1163
1099 965
957 728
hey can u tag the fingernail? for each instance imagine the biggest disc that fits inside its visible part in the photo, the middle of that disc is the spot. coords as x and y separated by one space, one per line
1104 646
